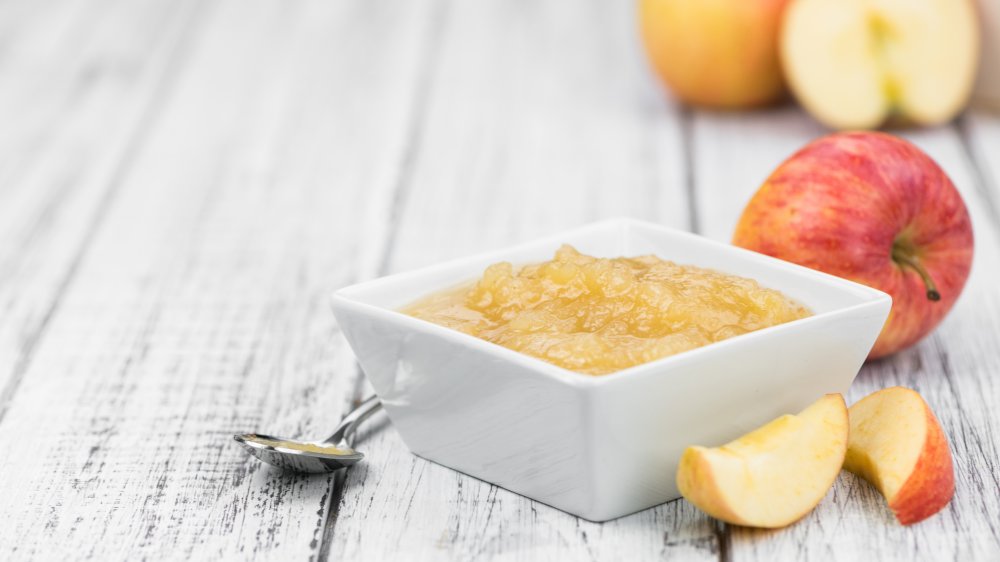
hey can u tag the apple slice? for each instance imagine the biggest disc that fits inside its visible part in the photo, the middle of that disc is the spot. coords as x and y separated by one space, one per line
774 475
897 444
856 63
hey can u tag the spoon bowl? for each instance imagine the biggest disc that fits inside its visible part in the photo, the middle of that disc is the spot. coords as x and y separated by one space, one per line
298 456
312 457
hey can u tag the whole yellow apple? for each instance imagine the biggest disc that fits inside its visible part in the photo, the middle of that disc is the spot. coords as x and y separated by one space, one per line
715 53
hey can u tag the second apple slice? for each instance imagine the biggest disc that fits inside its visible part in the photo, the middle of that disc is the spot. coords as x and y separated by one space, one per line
774 475
898 445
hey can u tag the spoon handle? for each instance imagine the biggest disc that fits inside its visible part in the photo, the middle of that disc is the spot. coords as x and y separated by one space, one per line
345 430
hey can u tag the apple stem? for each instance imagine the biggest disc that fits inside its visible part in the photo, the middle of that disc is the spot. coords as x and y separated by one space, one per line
904 259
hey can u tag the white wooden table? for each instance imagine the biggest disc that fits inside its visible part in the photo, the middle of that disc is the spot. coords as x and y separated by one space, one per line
183 183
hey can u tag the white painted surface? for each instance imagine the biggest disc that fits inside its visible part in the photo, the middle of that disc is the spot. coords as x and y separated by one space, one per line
183 183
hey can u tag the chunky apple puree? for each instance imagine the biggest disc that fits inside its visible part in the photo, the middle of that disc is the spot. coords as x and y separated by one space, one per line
598 315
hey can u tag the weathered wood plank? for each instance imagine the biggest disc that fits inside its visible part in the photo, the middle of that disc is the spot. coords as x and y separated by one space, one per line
980 133
540 116
200 309
954 369
77 86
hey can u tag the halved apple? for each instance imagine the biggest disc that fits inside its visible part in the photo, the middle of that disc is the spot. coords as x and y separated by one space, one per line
774 475
897 444
854 64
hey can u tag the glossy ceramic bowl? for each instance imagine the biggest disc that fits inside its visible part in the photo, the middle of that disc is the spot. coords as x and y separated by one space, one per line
600 446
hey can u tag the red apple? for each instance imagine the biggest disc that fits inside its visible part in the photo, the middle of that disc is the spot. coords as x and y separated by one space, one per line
875 209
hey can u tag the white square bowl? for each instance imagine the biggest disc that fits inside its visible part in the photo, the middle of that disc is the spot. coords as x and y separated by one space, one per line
600 447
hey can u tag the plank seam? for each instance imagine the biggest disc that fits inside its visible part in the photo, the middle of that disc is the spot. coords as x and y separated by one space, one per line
136 139
984 182
721 530
400 195
722 540
687 156
404 180
332 511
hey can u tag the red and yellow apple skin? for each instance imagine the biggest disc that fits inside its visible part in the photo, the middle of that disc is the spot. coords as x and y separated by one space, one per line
715 53
932 484
872 208
897 444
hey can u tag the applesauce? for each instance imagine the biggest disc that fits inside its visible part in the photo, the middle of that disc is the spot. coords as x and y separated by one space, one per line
599 315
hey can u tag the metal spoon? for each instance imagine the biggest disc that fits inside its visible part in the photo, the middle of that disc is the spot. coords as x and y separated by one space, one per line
327 455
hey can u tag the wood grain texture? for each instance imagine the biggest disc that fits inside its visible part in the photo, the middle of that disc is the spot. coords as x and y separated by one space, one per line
200 308
954 369
78 85
540 116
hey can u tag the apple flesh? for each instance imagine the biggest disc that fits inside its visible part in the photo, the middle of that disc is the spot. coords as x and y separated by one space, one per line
897 444
774 475
854 64
875 209
715 53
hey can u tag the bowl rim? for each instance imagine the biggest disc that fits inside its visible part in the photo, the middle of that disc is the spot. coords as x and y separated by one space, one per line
343 298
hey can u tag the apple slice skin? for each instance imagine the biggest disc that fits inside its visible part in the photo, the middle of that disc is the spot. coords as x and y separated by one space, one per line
931 483
719 495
